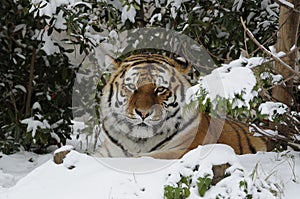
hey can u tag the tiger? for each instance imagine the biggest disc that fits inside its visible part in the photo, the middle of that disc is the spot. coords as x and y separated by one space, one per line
143 113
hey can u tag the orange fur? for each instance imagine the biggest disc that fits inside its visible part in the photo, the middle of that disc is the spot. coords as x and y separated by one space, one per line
234 134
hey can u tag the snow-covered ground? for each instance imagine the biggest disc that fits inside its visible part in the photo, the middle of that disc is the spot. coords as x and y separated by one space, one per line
29 176
17 166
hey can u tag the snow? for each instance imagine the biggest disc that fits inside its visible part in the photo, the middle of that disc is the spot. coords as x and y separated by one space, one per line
205 157
17 166
60 22
64 148
286 3
33 124
226 82
237 5
21 87
129 13
49 46
36 105
229 187
236 83
155 17
83 176
175 5
48 8
274 78
272 109
275 53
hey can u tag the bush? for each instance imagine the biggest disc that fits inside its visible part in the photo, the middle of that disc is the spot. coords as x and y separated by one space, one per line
34 83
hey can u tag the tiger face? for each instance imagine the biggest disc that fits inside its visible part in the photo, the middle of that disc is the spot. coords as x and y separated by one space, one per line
141 106
149 98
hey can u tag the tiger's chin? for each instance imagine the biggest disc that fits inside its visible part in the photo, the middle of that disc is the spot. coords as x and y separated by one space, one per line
141 133
145 131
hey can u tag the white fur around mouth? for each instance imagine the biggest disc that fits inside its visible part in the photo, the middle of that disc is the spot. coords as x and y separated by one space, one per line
142 124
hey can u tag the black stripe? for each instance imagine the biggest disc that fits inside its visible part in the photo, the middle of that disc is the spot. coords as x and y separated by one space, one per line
111 85
145 60
165 140
251 147
175 133
110 95
173 115
156 58
138 62
122 73
113 140
164 61
238 136
173 104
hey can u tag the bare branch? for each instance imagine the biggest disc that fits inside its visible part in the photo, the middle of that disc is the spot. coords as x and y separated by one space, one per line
273 35
249 33
282 82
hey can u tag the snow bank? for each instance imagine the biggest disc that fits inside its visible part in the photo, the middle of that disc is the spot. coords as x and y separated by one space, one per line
81 176
15 167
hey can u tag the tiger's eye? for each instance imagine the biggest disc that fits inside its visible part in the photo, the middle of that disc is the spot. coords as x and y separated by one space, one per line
160 90
131 87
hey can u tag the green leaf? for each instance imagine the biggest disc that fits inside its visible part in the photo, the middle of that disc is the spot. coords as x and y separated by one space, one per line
203 184
176 192
136 6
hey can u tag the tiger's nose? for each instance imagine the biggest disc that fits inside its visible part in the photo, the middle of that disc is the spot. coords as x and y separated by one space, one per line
142 113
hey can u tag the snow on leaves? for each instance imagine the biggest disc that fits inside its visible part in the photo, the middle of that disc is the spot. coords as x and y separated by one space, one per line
234 82
273 109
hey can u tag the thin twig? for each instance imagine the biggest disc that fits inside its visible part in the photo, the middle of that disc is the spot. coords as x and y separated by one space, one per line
282 82
266 61
273 35
249 33
246 46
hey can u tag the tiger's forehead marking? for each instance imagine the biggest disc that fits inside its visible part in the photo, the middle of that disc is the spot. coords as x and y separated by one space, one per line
148 73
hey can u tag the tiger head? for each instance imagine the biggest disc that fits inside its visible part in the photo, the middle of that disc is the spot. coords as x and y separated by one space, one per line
143 101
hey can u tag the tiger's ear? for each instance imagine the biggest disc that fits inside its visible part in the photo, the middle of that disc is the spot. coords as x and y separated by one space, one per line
183 66
111 62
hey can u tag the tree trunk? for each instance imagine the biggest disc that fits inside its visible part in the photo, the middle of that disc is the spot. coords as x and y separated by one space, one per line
287 38
29 86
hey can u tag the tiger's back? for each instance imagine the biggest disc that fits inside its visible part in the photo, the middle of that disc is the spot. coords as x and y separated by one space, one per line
232 133
142 113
